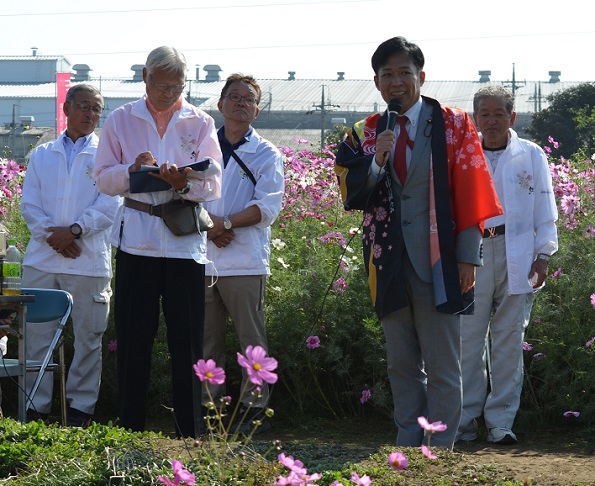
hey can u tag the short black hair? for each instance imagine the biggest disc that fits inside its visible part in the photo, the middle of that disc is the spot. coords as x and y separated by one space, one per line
397 45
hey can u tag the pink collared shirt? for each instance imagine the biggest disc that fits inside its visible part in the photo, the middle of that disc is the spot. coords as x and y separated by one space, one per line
162 118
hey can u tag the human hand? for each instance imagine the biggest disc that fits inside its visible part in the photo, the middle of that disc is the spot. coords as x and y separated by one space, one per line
538 273
177 178
384 144
218 234
466 276
62 238
144 158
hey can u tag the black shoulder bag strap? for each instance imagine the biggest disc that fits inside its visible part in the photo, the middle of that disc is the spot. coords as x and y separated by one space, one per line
244 168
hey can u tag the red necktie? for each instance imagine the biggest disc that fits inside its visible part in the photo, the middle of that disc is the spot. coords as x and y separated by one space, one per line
400 161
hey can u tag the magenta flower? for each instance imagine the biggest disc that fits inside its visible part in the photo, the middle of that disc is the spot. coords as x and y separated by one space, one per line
340 285
258 366
431 428
539 356
557 273
313 342
363 481
398 460
571 414
112 345
292 464
425 450
208 371
590 342
366 395
180 475
527 346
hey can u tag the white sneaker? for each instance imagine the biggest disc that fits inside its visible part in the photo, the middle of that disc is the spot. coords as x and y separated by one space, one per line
467 433
500 435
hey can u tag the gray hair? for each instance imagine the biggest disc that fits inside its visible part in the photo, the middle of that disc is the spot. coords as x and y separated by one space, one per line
71 95
497 92
168 59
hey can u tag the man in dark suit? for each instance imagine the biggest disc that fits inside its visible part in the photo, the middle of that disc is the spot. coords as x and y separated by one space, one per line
425 191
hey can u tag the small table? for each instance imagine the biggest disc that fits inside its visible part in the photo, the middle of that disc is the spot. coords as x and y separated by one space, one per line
18 303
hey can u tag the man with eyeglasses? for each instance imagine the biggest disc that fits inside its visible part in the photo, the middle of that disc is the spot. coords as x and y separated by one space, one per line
154 267
70 223
239 243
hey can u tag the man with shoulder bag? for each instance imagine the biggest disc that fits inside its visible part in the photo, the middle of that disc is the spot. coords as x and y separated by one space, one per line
239 242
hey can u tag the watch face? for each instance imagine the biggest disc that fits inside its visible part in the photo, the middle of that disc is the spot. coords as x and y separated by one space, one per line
75 230
226 223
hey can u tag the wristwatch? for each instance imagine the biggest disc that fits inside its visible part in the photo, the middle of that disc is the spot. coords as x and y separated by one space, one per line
184 189
226 223
543 256
76 230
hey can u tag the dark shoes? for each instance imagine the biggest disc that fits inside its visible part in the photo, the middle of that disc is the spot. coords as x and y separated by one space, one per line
34 416
501 436
253 421
76 418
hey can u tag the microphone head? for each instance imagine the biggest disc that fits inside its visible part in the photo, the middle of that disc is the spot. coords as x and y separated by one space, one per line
395 105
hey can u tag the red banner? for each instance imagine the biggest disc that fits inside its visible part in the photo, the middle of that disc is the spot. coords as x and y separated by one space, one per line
62 87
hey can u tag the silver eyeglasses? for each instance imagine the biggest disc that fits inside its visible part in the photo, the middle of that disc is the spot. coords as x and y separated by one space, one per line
236 98
85 107
164 88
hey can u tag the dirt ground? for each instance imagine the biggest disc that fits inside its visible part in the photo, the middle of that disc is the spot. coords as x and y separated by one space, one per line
554 458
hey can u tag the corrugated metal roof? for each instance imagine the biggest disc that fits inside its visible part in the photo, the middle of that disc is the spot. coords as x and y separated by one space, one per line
302 95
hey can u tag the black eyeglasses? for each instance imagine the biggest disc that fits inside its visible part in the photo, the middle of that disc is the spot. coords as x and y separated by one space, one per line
236 98
164 88
85 107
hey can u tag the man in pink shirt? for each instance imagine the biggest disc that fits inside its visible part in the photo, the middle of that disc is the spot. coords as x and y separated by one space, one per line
154 266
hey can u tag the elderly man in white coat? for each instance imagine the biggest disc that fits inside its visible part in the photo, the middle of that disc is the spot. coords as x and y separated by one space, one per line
517 247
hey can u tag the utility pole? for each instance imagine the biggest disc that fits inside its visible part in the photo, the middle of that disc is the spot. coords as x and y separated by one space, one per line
513 85
323 111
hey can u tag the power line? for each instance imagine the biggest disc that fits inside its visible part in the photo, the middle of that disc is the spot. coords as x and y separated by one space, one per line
177 9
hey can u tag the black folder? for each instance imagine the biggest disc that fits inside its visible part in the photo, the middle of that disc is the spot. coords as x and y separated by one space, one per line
141 181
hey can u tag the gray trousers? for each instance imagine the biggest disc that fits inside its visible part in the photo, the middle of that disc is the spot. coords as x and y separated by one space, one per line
423 359
90 311
498 325
242 299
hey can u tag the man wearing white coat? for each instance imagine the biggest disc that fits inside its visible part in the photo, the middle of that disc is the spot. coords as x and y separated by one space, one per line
70 223
239 243
517 247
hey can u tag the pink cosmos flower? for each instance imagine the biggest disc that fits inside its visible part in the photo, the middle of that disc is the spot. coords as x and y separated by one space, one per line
336 483
208 371
292 464
366 395
590 342
427 452
593 300
557 273
180 474
363 481
258 366
527 346
313 342
538 356
398 460
571 414
112 345
340 285
431 428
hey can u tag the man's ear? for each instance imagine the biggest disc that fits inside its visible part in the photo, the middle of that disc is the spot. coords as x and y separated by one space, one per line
66 108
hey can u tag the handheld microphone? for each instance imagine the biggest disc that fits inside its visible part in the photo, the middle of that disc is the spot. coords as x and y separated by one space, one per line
394 107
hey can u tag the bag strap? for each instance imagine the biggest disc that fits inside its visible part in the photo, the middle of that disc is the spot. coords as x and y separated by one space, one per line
144 207
244 168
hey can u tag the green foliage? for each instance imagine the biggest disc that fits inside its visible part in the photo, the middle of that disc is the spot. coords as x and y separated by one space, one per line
563 318
565 117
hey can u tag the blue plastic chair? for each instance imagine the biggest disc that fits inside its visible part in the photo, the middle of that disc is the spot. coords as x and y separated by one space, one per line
49 305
